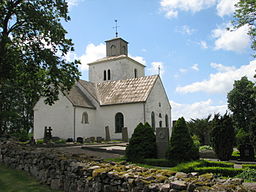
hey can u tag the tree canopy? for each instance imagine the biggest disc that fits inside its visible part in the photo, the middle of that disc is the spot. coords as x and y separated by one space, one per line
245 14
33 46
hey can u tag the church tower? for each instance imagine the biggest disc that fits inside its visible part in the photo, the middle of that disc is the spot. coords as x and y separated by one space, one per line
117 65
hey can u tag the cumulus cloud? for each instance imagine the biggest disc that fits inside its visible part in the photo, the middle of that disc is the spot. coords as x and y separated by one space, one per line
199 109
231 40
154 68
92 53
73 3
222 68
139 59
220 82
203 45
182 70
195 67
226 7
171 7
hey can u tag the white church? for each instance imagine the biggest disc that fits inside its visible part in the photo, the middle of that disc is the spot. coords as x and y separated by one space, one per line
117 95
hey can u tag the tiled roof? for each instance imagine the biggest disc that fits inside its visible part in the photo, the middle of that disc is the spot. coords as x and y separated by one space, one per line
78 98
90 87
125 91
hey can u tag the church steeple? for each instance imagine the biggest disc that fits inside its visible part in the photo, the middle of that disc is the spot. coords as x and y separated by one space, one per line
116 47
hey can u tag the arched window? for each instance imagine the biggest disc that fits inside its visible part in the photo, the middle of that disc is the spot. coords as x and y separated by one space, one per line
160 123
105 75
153 123
166 121
109 75
135 73
85 118
113 50
119 121
123 50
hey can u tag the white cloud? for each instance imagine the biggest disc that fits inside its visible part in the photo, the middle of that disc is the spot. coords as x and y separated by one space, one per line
226 7
185 29
73 3
92 53
220 82
199 109
139 59
154 68
203 44
195 67
182 70
231 40
222 68
171 7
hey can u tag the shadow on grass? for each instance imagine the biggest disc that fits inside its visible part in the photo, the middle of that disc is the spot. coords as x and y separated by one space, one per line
12 180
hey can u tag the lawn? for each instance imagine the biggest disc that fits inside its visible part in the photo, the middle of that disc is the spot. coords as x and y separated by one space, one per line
12 180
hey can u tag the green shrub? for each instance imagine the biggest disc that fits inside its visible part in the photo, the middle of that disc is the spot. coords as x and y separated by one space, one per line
21 135
182 148
142 144
221 171
218 164
188 167
222 136
248 174
205 147
60 141
40 141
250 166
159 162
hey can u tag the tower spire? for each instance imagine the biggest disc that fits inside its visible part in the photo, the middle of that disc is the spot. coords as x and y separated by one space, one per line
116 27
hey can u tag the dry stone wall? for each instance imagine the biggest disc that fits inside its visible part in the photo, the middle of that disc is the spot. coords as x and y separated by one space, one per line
76 173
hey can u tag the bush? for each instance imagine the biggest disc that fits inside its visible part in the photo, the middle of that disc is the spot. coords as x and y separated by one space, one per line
21 135
222 136
159 162
222 171
248 174
142 144
205 147
182 147
250 166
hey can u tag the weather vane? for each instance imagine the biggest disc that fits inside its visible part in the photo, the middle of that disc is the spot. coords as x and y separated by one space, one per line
116 28
159 69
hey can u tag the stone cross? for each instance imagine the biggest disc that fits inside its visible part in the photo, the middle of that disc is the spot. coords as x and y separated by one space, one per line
162 141
47 134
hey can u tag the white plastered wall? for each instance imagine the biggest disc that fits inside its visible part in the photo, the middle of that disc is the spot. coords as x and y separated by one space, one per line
120 69
58 116
156 96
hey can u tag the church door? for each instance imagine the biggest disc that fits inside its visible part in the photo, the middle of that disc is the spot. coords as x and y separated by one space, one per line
119 121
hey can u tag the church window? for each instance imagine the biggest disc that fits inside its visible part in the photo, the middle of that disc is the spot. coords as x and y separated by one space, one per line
166 121
159 104
119 121
105 75
160 123
135 73
123 50
153 124
109 75
160 115
85 118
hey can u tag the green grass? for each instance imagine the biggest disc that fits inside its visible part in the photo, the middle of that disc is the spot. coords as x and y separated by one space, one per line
12 180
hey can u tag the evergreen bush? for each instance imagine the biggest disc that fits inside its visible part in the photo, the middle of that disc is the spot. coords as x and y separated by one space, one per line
142 144
222 136
182 147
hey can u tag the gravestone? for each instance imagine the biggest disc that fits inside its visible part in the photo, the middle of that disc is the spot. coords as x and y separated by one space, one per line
79 140
246 152
87 140
125 134
99 139
92 139
107 133
162 141
47 134
69 140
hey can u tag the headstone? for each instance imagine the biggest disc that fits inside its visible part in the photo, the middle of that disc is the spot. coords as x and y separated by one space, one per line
47 134
99 139
107 133
70 140
125 134
79 140
246 152
87 140
162 141
92 139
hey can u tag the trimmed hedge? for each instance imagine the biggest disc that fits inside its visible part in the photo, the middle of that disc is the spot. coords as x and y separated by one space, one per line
223 171
250 166
159 162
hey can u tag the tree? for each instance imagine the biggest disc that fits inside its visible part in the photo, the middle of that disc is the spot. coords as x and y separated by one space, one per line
201 128
242 103
222 136
142 143
181 146
245 14
33 47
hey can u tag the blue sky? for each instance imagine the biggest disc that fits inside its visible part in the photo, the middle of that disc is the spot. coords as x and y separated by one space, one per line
199 58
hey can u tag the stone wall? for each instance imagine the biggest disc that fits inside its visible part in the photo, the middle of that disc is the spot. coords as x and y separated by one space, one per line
76 173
